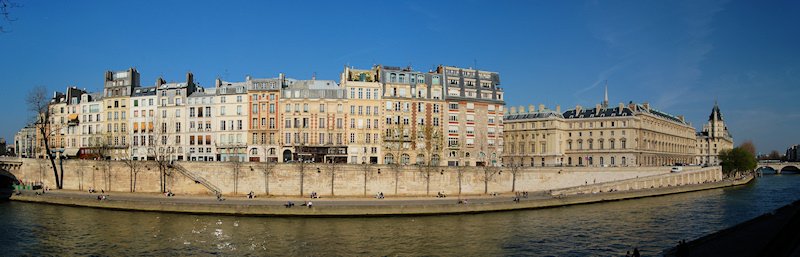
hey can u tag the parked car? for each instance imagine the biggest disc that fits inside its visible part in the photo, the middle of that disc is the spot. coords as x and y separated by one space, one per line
676 169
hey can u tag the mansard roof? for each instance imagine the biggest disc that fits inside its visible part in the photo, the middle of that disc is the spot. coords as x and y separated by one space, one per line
592 113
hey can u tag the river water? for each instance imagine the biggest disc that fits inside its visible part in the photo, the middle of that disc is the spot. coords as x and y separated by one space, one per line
603 229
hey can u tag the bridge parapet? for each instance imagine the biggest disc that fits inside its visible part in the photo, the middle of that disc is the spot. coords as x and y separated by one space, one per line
779 166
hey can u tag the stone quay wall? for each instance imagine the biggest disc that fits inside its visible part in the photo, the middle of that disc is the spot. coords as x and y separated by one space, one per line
690 177
325 179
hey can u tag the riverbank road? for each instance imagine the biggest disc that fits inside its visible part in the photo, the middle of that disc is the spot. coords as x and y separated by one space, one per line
280 201
345 206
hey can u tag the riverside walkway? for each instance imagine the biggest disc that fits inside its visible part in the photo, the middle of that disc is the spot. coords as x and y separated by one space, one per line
345 206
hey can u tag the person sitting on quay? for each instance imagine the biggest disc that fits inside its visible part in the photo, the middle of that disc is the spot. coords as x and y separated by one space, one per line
289 204
309 204
169 193
251 195
440 195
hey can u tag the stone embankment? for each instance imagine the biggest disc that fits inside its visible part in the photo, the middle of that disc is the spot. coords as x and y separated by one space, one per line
339 180
389 206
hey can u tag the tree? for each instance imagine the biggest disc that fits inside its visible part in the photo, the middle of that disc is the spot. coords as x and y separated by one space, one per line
267 168
514 169
164 153
489 172
737 160
133 168
749 147
39 103
428 145
5 12
365 167
332 166
394 140
774 155
104 154
301 166
236 165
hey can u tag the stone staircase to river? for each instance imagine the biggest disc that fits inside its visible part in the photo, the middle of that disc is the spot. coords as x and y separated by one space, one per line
197 179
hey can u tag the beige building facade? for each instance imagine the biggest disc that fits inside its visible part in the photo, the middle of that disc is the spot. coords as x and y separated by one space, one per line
364 101
475 107
603 136
117 90
413 112
712 139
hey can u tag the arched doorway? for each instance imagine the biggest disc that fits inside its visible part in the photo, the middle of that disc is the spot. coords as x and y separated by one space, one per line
287 155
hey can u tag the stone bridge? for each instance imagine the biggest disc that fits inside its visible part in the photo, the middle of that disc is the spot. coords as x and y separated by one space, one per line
779 167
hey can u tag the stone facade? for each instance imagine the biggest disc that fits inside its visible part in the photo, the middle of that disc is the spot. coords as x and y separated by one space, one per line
290 179
117 89
604 136
365 99
475 106
231 115
264 114
413 113
712 139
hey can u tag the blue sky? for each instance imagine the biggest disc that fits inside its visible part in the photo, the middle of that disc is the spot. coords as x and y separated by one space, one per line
678 55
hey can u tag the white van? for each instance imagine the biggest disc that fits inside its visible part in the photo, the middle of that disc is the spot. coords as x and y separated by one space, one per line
676 169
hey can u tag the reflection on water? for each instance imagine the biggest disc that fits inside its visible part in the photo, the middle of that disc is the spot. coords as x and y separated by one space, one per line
652 224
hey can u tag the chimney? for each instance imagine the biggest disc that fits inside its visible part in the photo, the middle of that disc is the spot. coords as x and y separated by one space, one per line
621 106
218 82
541 107
531 108
109 76
577 110
189 78
160 81
513 110
558 108
282 78
646 105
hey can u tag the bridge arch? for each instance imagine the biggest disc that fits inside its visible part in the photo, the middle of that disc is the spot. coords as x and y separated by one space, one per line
790 168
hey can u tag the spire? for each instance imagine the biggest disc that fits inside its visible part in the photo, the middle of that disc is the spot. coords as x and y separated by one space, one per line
715 113
605 96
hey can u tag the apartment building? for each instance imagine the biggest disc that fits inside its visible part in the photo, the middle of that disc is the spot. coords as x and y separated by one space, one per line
475 108
364 102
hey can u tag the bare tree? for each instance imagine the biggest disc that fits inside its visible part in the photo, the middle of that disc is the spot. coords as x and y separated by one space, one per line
301 166
134 166
267 168
489 172
164 153
429 143
236 165
332 167
104 154
394 140
366 167
514 169
39 104
5 12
